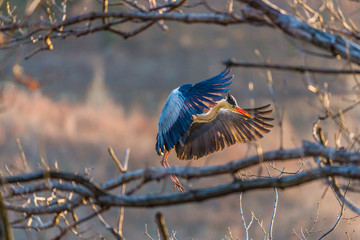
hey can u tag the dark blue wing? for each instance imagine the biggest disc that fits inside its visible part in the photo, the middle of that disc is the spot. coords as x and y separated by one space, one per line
184 103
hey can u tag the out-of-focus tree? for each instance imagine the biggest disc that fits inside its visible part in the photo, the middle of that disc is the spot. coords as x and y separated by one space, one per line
43 198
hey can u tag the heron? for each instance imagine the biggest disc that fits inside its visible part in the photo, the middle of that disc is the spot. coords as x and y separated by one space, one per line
202 118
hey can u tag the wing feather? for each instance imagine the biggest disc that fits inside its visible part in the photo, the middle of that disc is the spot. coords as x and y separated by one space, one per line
226 129
184 103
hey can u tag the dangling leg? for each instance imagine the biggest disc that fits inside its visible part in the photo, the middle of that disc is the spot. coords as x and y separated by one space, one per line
174 179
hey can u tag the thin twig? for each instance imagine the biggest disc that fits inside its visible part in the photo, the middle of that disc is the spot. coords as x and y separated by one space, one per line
123 167
147 233
245 225
339 217
84 219
44 48
112 230
273 214
23 156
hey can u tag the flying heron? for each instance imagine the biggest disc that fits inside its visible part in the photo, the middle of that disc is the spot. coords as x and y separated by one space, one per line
202 118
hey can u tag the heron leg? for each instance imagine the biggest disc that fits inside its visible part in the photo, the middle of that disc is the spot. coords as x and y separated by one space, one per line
176 182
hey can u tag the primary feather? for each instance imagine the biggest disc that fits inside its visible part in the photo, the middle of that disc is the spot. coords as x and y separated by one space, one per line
226 129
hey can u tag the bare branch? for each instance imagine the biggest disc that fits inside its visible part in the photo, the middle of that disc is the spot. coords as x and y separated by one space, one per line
284 67
197 195
309 149
160 222
222 19
302 31
273 214
123 167
245 225
336 223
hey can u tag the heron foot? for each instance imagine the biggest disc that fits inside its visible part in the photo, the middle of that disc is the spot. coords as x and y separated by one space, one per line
176 182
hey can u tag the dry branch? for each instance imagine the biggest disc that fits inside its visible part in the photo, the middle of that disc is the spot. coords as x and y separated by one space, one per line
160 222
293 27
255 12
292 68
208 18
102 197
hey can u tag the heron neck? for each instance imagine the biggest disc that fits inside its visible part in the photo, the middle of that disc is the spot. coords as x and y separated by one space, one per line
211 115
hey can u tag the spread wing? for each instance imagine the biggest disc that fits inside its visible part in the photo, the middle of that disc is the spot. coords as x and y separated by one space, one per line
226 129
184 103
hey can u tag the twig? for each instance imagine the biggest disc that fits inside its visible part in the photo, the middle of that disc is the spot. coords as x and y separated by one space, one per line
336 223
132 33
260 223
136 187
339 217
147 233
108 227
160 222
245 225
44 48
273 214
123 167
318 136
84 219
23 156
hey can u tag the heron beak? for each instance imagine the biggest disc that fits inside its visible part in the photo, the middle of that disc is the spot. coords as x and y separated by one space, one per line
239 110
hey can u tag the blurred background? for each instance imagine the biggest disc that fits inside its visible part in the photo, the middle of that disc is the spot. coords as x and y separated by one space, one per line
101 90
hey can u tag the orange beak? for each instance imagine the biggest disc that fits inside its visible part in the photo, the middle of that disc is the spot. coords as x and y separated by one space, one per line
239 110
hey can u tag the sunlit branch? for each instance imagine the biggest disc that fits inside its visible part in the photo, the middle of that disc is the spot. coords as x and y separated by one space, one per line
298 29
103 198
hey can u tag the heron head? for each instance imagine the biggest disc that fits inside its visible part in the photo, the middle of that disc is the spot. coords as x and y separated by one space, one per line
230 99
234 107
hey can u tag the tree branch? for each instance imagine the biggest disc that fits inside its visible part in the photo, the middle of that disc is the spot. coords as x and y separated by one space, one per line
303 31
208 18
103 198
256 12
284 67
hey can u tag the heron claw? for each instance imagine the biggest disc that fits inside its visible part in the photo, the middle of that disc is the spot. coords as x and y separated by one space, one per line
176 182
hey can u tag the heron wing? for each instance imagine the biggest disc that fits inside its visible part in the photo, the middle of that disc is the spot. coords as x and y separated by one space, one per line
184 103
226 129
